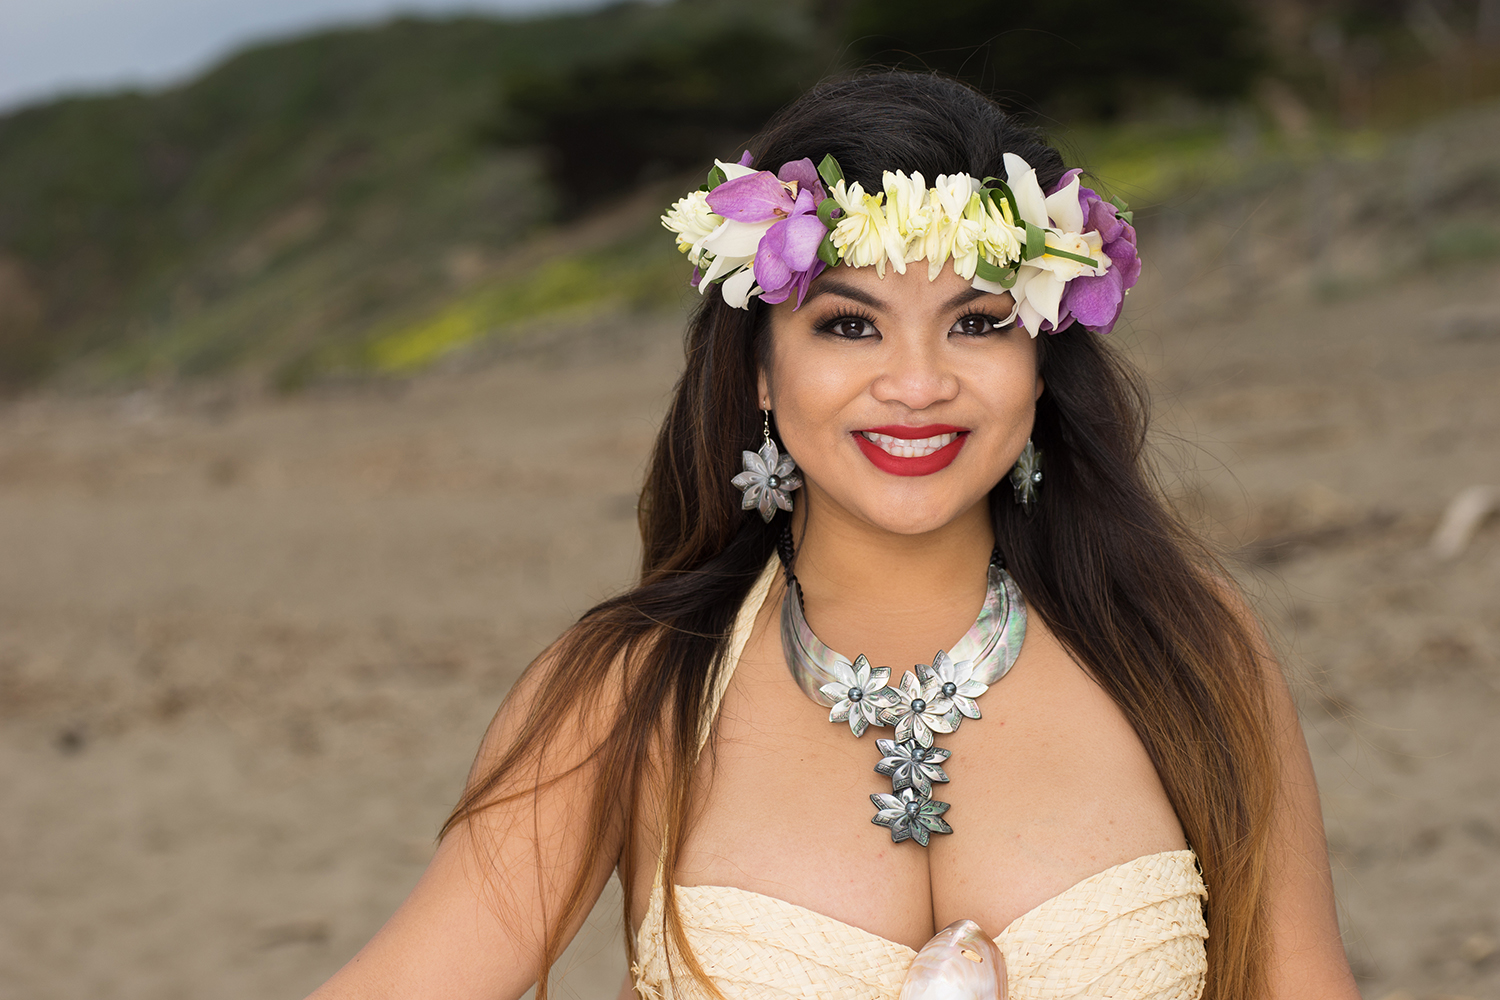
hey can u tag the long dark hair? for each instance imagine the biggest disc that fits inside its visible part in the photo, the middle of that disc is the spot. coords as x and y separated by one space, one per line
1107 565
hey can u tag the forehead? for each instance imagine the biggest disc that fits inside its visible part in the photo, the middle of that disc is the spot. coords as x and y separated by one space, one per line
897 293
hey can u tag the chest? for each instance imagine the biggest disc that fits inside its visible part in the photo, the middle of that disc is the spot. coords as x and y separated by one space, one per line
1049 786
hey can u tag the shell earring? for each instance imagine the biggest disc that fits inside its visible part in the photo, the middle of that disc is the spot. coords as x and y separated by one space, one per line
1026 476
769 477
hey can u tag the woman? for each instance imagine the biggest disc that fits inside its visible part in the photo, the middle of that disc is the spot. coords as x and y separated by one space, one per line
1109 725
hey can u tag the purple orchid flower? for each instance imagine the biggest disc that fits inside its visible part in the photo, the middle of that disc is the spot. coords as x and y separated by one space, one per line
787 256
1096 302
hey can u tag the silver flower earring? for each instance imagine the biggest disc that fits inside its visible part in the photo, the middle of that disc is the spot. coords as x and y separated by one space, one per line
1026 476
769 477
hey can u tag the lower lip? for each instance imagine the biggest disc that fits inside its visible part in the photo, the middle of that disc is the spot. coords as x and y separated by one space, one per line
924 466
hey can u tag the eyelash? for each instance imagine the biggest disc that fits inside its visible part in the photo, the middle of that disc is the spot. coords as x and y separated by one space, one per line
829 326
994 322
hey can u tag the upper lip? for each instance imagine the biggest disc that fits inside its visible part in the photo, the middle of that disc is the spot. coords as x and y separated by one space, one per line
914 433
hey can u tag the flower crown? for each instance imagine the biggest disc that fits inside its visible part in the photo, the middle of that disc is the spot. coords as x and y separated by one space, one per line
1065 257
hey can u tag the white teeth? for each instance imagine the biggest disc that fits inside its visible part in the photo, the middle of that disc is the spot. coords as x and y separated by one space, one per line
909 448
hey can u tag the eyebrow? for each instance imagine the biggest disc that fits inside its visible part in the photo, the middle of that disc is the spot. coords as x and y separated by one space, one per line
833 286
967 295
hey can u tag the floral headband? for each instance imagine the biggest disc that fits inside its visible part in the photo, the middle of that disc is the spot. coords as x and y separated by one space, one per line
1065 257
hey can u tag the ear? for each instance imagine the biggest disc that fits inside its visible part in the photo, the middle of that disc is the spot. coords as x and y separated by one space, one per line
763 387
1040 385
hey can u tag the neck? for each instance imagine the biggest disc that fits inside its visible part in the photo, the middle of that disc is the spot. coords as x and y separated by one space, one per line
843 560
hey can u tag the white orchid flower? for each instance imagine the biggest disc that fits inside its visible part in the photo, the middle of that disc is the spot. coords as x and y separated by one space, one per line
1040 281
1029 310
738 287
1064 210
733 245
1087 244
1023 184
733 170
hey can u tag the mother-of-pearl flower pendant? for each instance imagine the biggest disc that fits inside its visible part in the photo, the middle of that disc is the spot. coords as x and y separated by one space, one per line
930 702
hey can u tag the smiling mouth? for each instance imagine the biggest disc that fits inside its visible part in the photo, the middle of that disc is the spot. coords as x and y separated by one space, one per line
911 451
908 447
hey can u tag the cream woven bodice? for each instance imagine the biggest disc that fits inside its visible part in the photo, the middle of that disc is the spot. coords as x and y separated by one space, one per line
1131 932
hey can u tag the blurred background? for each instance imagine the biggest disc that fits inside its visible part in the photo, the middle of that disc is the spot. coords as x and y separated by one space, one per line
333 336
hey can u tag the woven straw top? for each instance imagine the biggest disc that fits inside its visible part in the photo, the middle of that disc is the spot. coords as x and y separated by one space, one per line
1131 932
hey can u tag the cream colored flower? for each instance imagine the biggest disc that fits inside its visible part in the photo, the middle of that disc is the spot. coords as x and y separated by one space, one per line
999 241
860 235
693 222
968 238
907 215
947 201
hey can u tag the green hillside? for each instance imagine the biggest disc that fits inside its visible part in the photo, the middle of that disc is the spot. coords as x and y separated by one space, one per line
283 208
365 200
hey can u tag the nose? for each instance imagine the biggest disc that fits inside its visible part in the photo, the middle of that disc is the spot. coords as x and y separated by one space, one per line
916 374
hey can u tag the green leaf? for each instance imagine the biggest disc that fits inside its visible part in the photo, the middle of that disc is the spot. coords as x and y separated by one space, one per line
1003 276
1036 242
1129 217
1053 252
716 177
826 208
827 252
1118 202
1003 191
830 170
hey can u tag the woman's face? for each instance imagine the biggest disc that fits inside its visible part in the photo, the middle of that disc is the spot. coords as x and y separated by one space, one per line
903 400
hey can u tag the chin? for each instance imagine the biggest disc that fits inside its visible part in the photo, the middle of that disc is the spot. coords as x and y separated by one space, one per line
906 515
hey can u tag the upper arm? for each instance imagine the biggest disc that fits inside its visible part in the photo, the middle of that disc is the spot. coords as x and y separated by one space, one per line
476 923
1306 952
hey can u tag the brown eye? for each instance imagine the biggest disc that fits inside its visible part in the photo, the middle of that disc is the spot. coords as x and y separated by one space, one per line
976 325
850 328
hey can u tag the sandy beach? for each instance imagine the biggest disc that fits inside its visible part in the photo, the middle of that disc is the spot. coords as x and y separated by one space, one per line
248 643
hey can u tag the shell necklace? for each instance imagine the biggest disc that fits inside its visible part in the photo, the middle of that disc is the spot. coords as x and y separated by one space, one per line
934 699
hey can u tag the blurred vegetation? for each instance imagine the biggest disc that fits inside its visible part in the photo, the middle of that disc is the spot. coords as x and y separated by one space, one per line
664 108
367 200
299 195
1078 58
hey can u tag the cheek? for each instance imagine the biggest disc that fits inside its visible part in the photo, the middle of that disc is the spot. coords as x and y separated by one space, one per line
809 408
808 392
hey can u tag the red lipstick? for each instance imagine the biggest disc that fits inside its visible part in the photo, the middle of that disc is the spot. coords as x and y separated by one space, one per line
924 466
